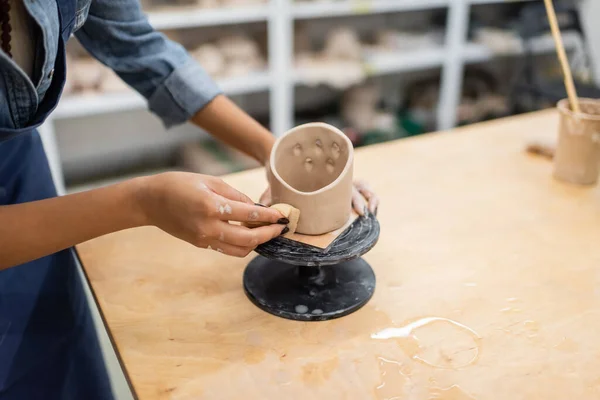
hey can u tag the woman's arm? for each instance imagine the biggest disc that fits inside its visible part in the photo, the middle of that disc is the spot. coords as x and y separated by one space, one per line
118 34
32 230
192 207
228 123
178 90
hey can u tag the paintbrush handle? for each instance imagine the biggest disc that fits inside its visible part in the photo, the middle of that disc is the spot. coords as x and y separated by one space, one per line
562 56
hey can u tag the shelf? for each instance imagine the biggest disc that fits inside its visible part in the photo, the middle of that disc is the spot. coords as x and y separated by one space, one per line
253 83
475 2
377 64
180 17
475 52
324 9
84 105
390 63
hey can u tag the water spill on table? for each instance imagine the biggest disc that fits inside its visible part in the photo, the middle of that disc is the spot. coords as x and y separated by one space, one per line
435 341
526 328
510 310
394 377
454 392
532 328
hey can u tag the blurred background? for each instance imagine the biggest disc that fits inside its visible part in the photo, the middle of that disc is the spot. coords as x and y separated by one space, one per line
378 69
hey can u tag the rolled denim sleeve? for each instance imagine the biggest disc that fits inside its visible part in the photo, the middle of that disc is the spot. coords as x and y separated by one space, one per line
119 35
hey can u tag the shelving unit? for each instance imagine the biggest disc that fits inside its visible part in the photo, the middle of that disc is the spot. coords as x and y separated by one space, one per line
183 17
476 2
474 52
383 64
324 9
82 105
281 79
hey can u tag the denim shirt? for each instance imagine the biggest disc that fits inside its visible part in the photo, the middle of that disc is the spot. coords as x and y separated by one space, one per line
118 34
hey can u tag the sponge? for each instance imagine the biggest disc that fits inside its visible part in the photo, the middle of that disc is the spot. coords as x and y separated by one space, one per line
289 212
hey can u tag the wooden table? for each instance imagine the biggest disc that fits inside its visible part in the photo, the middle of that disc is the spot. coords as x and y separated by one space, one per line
487 268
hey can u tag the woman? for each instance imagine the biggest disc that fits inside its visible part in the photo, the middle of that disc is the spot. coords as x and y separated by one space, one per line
48 346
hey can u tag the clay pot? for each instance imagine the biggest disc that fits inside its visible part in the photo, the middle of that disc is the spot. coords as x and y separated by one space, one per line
311 168
343 43
577 158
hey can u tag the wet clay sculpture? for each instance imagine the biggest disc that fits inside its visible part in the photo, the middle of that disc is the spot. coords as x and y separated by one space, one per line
577 158
311 169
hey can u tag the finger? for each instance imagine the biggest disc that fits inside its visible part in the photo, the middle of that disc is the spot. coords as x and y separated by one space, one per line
235 211
223 189
358 203
374 204
242 236
362 185
371 197
365 190
228 249
266 199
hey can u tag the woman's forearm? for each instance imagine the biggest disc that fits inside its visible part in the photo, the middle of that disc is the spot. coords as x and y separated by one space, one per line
31 230
230 124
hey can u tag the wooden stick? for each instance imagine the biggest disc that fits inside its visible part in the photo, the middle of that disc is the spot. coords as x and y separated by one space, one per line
543 149
562 56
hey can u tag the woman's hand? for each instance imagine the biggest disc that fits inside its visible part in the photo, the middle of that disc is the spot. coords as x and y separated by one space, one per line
198 208
363 199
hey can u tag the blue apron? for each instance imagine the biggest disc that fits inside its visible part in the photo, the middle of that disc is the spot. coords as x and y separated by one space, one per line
48 343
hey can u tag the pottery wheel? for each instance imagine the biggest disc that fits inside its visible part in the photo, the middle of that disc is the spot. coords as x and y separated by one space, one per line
356 240
297 281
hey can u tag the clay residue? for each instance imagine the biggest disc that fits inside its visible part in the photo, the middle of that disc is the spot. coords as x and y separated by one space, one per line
567 345
317 373
454 392
254 355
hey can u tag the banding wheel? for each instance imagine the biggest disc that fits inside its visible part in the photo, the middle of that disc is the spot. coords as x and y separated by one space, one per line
300 282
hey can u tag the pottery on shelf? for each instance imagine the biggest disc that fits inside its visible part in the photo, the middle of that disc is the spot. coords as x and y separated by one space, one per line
311 169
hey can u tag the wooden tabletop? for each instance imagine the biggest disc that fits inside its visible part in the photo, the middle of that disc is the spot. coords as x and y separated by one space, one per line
488 287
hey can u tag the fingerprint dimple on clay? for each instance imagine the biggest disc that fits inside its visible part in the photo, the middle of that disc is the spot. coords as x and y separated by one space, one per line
330 166
318 147
308 164
335 150
297 149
